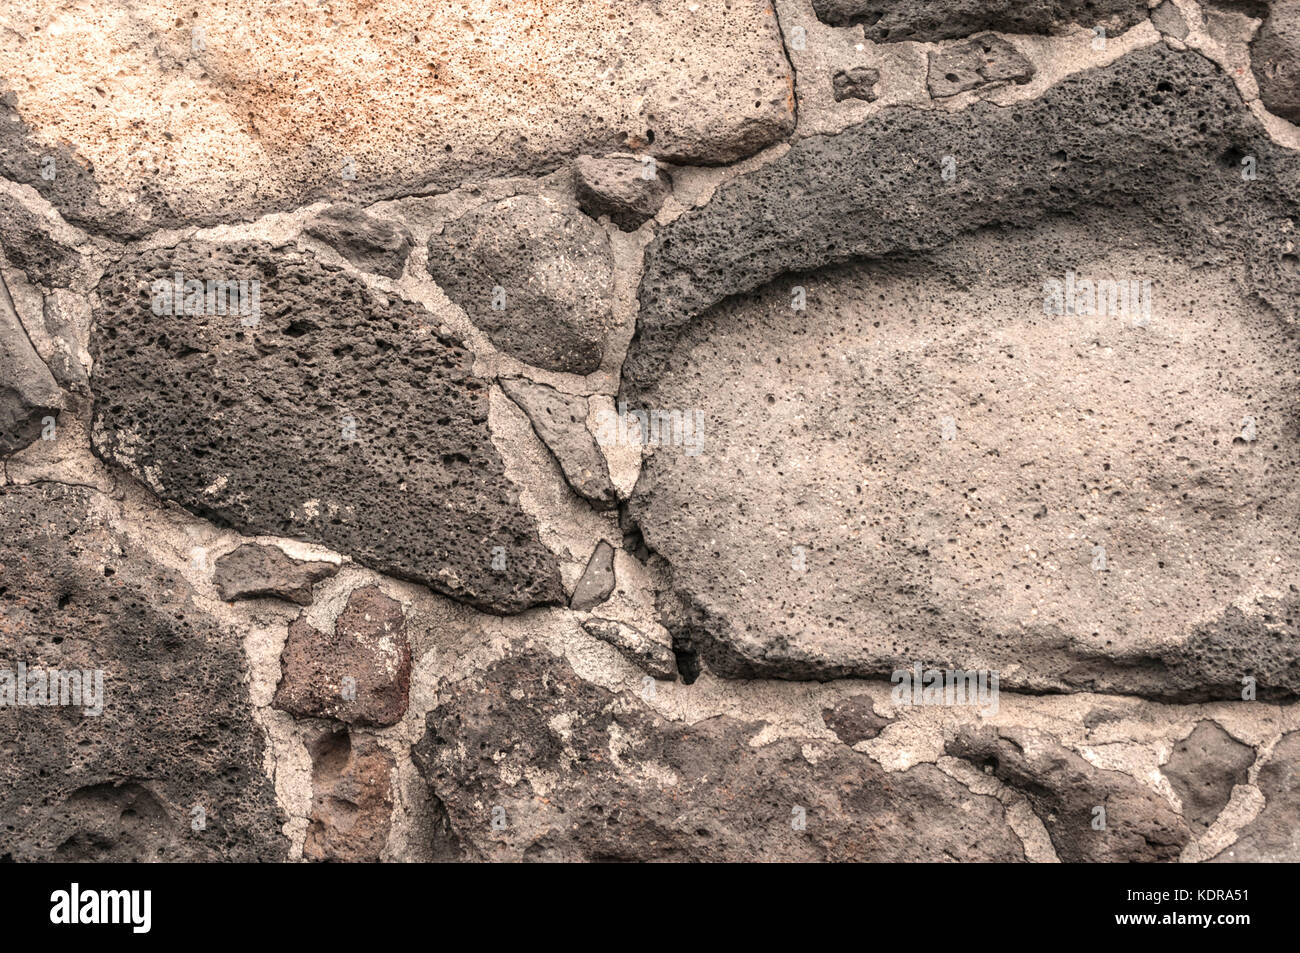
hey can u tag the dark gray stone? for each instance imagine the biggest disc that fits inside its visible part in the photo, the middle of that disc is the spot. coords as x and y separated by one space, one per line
560 421
676 791
854 719
29 246
253 571
177 731
923 20
28 392
73 188
370 243
1271 836
597 580
1203 769
1064 791
856 83
618 187
982 61
536 277
877 189
337 418
1275 60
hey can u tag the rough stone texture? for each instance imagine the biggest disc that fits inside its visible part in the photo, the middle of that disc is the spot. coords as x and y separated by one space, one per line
370 243
982 61
583 774
254 571
895 21
1065 791
272 106
28 245
856 83
875 433
352 800
1275 60
337 418
597 580
1204 768
361 675
878 189
28 392
560 421
176 731
643 650
626 189
854 720
1274 835
535 276
966 551
870 542
1168 19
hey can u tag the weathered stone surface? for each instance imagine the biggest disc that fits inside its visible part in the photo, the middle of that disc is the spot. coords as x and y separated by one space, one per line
854 719
253 571
878 188
1274 835
361 675
642 649
175 742
237 109
982 61
28 392
856 83
1065 791
1275 60
868 541
535 276
619 186
28 244
906 560
895 21
370 243
560 421
1168 19
1204 768
597 580
336 418
352 800
672 791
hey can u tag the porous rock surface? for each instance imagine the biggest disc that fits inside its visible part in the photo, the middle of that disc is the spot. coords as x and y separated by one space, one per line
1275 59
672 792
1092 815
898 523
235 110
337 417
903 470
889 21
628 190
171 768
352 801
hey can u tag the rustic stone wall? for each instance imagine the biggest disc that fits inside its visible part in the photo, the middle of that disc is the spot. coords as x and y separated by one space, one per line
828 430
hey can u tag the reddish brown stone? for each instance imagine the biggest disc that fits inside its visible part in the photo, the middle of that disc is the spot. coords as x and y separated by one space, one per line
361 675
352 801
